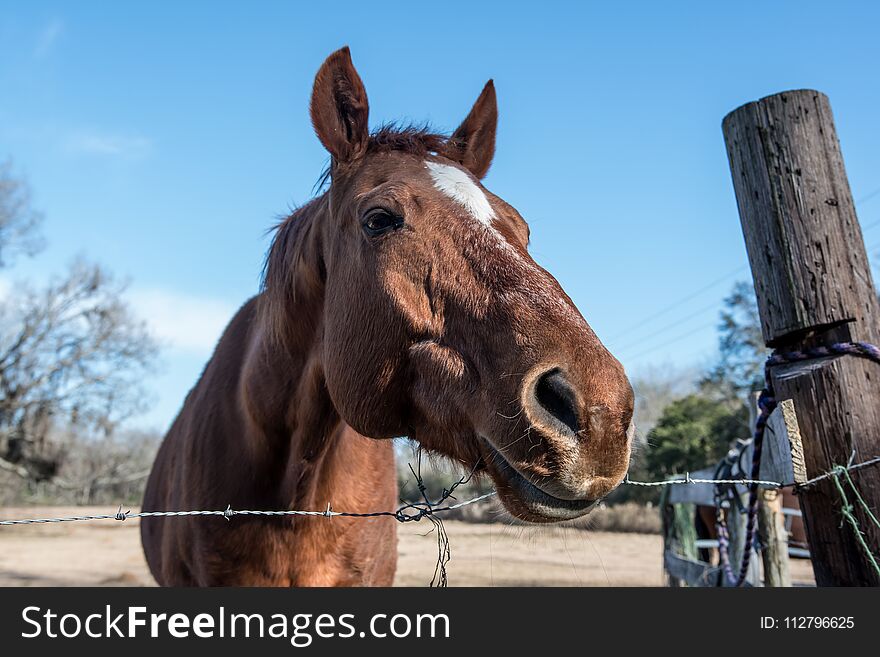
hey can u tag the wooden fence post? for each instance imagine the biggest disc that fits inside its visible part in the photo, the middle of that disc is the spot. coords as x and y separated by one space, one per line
771 522
814 287
774 539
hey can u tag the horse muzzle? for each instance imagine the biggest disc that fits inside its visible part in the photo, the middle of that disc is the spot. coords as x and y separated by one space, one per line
526 499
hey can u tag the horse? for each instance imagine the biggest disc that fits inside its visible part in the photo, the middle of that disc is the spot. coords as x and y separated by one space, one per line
401 301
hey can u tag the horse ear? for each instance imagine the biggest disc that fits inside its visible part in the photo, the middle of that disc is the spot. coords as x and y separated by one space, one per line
473 143
339 108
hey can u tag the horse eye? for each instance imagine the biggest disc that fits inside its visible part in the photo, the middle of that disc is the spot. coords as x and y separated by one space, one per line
381 221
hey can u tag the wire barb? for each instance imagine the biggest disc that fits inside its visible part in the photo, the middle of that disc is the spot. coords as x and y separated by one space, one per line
420 508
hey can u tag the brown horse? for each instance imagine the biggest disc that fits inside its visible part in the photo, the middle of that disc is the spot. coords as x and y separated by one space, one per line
402 301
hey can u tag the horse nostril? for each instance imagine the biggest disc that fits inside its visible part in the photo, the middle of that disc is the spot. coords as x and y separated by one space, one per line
556 396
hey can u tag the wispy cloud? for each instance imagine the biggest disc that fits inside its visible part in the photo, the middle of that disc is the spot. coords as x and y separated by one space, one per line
182 321
47 38
94 143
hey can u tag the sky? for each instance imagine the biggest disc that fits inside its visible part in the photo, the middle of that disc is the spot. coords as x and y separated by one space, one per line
164 143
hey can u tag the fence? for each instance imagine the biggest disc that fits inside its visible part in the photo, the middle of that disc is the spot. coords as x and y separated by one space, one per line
684 568
407 512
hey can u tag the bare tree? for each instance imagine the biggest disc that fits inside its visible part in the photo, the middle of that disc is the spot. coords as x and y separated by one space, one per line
71 354
72 361
109 469
19 222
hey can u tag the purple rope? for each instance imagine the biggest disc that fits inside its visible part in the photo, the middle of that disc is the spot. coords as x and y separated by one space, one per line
766 404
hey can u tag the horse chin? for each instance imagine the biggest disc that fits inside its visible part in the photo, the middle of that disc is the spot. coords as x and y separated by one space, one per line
525 500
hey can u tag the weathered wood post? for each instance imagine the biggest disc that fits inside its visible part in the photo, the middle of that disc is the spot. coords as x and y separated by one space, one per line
774 539
814 287
774 461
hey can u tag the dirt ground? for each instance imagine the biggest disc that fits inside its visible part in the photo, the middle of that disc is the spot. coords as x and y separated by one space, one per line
108 553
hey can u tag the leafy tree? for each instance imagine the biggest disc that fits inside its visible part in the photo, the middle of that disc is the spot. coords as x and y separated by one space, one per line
693 432
655 388
740 368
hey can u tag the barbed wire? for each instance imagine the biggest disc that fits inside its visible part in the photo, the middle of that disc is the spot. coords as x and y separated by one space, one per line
692 480
848 468
413 512
401 515
759 482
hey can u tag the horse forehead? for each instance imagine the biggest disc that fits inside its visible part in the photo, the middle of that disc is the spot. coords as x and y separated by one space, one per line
458 186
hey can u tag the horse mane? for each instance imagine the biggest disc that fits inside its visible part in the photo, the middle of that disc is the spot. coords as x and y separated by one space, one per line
285 259
413 139
416 139
288 264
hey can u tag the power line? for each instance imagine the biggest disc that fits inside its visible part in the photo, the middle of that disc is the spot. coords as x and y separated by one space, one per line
676 324
639 324
683 300
868 197
678 338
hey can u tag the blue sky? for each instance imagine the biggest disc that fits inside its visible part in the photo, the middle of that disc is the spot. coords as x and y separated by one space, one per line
164 143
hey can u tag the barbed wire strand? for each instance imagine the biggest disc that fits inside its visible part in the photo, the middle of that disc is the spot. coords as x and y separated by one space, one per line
849 468
400 515
417 511
691 480
408 512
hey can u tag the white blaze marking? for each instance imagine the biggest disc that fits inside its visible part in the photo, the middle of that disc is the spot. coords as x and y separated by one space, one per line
458 186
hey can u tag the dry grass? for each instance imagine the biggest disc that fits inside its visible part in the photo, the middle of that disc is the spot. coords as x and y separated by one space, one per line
628 517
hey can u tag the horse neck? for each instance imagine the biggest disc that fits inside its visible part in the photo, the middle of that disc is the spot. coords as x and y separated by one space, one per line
285 394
